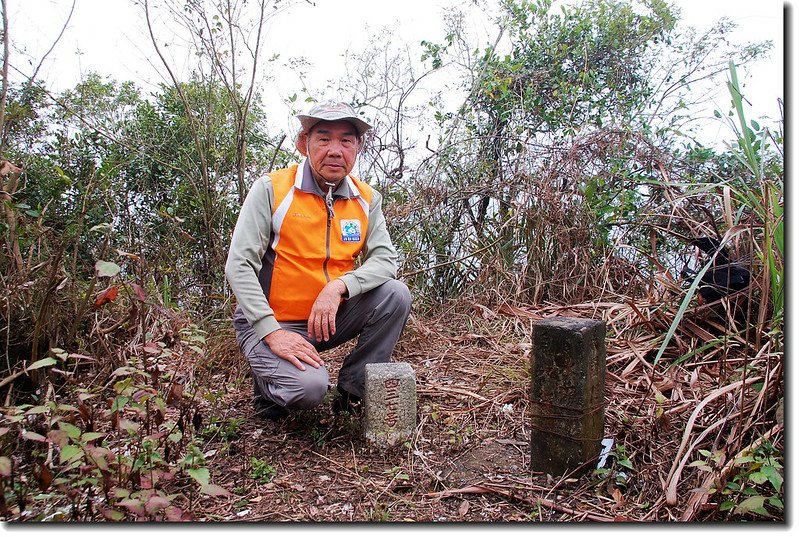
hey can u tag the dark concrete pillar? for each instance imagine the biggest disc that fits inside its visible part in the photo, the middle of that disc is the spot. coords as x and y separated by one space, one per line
567 393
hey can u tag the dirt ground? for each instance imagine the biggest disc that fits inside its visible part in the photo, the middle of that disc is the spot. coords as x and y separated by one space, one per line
468 460
469 457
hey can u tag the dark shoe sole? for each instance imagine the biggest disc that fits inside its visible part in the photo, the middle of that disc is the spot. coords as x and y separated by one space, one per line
346 403
269 411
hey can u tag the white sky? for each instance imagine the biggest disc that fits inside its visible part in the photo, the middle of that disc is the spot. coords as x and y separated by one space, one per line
109 37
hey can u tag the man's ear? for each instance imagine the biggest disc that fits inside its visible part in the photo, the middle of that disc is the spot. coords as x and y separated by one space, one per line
301 143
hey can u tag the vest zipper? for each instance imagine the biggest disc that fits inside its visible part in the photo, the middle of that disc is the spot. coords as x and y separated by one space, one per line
330 215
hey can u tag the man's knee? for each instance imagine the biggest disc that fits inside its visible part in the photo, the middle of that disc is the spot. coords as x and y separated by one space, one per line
307 390
399 296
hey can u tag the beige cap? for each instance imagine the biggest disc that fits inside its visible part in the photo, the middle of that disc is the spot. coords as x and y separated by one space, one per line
333 111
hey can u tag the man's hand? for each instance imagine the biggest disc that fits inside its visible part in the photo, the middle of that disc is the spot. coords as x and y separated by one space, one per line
322 322
294 348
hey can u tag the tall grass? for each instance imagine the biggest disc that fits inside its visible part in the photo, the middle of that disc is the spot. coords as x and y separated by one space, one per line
759 196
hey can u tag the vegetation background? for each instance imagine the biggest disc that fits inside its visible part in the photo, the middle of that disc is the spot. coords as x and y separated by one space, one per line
561 175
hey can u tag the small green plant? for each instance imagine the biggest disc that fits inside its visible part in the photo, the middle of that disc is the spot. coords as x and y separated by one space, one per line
318 436
225 430
398 473
261 470
107 451
618 468
379 513
756 486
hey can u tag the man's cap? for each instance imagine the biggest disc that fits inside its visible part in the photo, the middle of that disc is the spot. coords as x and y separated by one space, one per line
332 111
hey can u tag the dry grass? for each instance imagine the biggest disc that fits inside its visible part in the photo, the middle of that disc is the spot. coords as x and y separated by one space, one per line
469 458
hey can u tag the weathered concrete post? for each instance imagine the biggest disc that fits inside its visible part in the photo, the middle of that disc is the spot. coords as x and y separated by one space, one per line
567 393
390 403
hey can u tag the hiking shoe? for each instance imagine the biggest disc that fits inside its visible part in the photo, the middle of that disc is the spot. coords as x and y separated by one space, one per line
345 402
267 410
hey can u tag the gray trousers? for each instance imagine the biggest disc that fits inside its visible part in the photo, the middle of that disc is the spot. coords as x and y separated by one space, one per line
376 318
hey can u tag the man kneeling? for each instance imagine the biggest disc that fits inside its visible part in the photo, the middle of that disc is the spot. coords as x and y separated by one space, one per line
291 266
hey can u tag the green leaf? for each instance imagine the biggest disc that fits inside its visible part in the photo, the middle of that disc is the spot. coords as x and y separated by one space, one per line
69 452
776 502
106 268
88 437
113 515
774 477
72 431
119 403
61 353
44 362
757 477
626 464
749 505
201 475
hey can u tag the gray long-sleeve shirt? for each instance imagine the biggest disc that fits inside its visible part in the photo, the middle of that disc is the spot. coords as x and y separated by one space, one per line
251 241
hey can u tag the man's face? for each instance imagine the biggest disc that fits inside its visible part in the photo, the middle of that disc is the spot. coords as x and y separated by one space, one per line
332 148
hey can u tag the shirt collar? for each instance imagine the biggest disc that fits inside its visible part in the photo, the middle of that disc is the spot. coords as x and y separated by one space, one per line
305 182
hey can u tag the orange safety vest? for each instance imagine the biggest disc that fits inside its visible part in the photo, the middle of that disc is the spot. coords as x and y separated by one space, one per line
307 248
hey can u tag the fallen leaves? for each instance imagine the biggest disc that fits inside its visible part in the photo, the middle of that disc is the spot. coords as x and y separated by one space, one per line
109 295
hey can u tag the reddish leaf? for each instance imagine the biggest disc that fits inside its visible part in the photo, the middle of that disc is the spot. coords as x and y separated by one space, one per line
81 357
8 169
187 236
156 503
214 490
5 467
109 295
132 257
128 425
30 435
176 514
44 476
97 455
464 508
140 394
85 414
134 506
138 292
166 475
151 347
58 436
175 393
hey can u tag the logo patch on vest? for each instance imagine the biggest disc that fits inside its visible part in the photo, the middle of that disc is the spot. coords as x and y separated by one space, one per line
351 231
